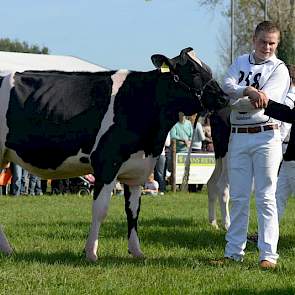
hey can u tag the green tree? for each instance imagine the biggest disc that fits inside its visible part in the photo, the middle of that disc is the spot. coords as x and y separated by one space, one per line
248 13
286 49
16 46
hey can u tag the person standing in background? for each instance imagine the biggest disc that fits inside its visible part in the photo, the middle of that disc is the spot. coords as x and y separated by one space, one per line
161 167
286 178
199 136
182 132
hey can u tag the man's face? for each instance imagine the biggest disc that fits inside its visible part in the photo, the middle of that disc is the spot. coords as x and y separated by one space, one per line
181 117
265 44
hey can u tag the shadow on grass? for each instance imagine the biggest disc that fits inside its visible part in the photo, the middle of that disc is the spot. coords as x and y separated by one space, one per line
79 260
286 242
168 232
281 291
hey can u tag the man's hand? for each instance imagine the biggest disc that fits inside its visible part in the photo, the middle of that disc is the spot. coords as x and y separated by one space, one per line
187 143
257 98
263 100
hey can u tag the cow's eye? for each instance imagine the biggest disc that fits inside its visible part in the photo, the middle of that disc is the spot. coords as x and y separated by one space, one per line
194 71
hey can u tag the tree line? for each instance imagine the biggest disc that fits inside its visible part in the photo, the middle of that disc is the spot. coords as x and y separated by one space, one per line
16 46
247 14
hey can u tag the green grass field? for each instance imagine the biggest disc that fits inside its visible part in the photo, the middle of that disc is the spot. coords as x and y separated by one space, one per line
49 232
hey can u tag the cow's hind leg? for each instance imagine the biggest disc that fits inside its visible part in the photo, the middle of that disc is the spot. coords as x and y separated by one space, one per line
213 193
132 196
4 244
223 188
100 205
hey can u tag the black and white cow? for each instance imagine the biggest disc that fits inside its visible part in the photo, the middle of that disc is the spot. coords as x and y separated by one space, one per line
113 124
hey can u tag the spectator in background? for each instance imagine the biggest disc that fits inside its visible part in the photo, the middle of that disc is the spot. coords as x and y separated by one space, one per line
60 186
182 132
35 188
151 187
19 180
44 185
286 178
161 167
208 142
5 178
199 136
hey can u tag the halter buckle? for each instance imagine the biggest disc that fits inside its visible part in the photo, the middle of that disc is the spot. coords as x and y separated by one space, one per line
176 78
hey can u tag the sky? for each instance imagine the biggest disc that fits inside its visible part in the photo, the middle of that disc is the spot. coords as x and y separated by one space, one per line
116 34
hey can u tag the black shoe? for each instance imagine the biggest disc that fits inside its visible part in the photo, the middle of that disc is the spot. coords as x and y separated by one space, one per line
253 238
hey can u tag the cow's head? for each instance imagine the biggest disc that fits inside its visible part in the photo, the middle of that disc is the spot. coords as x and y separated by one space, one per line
193 79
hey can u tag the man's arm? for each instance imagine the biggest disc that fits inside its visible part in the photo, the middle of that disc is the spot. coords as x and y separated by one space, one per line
280 112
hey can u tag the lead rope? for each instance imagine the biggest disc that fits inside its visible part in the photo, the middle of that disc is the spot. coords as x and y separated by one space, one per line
185 178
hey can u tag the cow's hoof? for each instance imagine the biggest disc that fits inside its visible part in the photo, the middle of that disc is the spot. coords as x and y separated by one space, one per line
136 253
91 257
214 224
8 251
226 226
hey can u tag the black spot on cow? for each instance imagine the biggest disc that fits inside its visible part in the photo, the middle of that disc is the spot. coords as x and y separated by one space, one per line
52 115
84 160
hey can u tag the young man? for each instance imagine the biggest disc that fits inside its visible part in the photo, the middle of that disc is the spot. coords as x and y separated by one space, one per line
255 147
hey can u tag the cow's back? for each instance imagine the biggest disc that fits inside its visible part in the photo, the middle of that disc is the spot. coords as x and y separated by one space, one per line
52 116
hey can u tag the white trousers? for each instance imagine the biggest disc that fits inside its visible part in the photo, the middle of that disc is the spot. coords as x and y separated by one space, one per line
255 156
285 185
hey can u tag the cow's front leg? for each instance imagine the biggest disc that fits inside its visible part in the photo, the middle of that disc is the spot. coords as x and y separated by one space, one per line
132 196
4 244
100 205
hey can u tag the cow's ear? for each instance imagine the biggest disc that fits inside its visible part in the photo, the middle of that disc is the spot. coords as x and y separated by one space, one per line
162 62
185 51
189 53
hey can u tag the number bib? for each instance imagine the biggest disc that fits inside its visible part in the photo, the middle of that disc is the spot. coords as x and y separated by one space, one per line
255 75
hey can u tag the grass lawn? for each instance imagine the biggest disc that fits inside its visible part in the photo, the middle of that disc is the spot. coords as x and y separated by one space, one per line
49 232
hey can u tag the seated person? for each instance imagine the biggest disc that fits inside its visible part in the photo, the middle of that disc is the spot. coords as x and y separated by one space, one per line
151 187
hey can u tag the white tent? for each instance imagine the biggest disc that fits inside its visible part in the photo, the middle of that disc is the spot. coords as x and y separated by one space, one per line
15 61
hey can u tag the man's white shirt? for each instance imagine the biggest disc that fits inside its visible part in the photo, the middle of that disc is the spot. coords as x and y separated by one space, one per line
271 76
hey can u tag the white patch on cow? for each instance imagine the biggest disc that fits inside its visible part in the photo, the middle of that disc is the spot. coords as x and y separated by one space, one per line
134 199
136 169
134 245
99 212
108 120
118 79
71 167
218 189
7 84
192 54
4 244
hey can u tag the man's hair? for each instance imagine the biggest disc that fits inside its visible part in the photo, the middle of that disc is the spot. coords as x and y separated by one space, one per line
268 27
291 69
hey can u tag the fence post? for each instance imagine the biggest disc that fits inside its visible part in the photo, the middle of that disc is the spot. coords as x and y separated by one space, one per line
173 168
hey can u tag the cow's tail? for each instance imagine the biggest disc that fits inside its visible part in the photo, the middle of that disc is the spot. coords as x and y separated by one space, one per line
6 85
